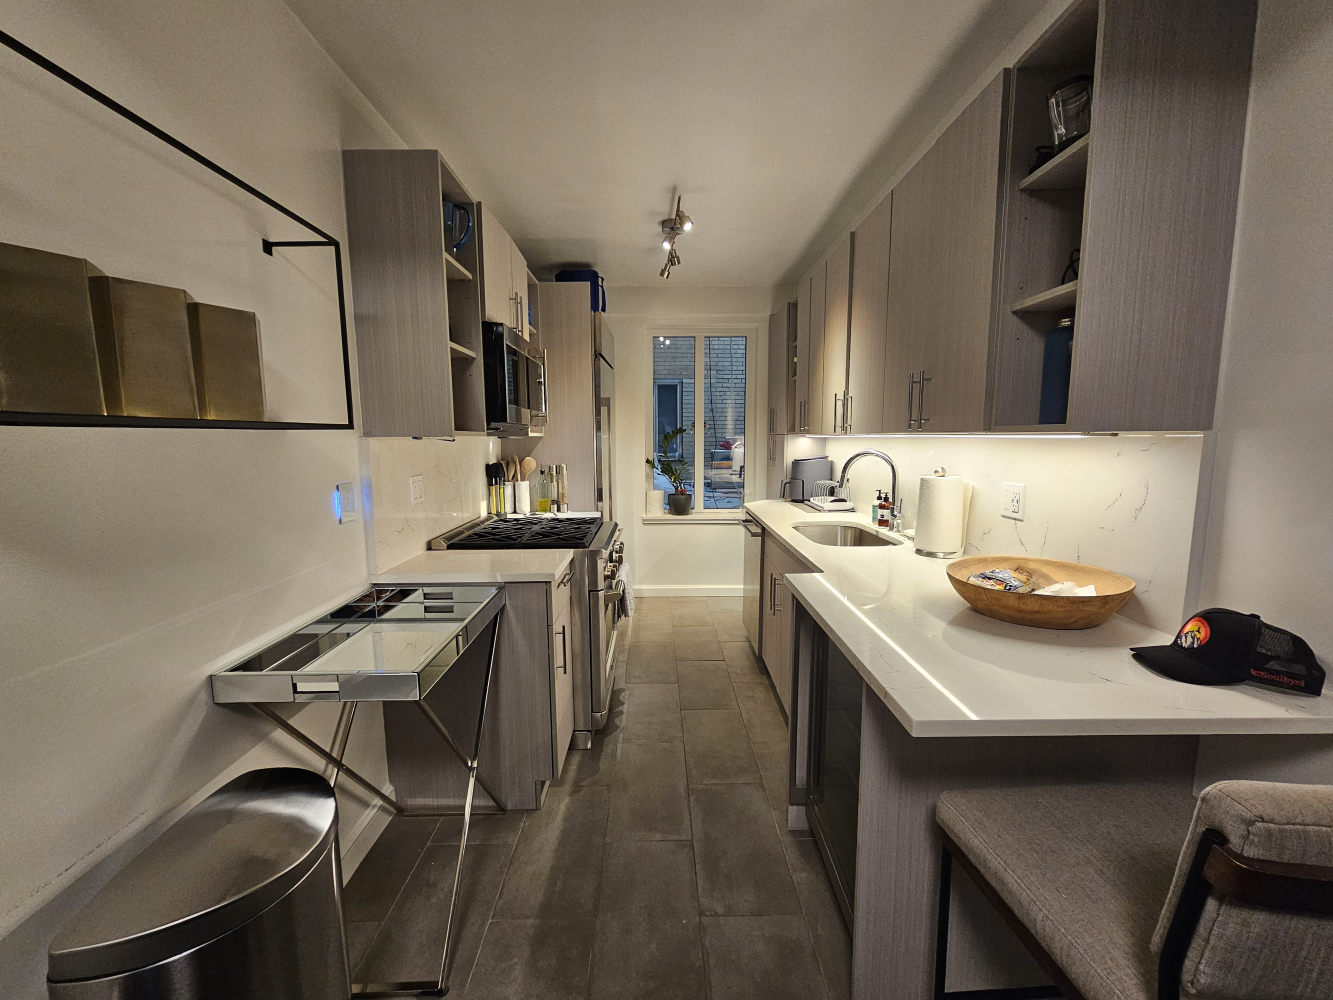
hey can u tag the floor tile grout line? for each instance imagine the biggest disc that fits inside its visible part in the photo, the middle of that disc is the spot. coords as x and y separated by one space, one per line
490 917
694 854
401 889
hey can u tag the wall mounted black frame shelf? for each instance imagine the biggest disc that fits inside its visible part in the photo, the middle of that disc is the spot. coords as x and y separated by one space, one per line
12 417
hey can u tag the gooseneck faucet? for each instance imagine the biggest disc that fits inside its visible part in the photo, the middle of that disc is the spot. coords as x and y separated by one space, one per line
895 505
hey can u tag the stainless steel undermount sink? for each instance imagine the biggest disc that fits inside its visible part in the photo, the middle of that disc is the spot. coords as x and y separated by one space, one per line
843 534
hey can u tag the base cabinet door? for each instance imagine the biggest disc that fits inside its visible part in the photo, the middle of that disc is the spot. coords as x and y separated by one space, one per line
770 625
562 677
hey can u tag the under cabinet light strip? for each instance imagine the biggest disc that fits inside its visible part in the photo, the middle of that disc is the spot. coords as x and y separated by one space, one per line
900 651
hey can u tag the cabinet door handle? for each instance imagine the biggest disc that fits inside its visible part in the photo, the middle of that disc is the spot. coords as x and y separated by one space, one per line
911 401
921 417
772 418
837 427
847 413
563 665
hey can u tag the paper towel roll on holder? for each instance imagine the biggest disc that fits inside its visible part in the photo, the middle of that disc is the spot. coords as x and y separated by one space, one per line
942 516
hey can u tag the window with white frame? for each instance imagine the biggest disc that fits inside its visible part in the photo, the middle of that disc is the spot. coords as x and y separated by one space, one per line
711 448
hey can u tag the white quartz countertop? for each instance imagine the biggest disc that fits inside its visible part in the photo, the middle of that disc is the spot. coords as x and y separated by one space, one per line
944 669
481 566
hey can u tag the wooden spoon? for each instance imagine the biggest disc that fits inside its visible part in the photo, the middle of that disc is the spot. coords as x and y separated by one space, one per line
528 467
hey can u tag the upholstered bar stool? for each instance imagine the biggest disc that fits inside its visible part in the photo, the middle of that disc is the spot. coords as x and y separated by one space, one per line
1094 880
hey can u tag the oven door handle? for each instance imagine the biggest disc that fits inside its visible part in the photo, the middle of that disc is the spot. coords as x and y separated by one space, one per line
611 597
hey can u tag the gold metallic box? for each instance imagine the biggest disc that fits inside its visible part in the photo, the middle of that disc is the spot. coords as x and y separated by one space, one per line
48 344
228 363
143 346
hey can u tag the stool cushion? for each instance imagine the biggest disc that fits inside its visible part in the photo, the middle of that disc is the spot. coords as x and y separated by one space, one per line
1084 867
1242 952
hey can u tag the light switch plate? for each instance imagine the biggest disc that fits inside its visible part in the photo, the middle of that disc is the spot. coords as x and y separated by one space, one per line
1014 505
417 487
344 503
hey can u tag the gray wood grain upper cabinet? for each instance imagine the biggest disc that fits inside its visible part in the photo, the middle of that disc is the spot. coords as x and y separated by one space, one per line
497 275
518 282
1150 202
798 418
868 328
1169 108
942 262
408 304
831 411
781 326
814 357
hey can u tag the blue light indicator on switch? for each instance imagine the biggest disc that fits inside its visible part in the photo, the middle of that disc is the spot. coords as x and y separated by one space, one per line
344 503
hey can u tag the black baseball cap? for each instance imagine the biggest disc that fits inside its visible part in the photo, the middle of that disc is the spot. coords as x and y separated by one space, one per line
1218 646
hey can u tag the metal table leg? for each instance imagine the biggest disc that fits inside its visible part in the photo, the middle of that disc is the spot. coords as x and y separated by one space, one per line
440 987
336 761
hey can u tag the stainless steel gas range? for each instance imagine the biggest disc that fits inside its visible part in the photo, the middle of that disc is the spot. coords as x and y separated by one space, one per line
598 554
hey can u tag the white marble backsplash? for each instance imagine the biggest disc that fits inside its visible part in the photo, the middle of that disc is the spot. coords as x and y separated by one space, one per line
455 491
1124 503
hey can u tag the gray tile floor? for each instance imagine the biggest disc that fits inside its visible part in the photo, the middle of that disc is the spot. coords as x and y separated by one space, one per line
660 866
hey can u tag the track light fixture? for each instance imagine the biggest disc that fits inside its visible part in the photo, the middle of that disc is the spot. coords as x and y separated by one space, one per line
671 228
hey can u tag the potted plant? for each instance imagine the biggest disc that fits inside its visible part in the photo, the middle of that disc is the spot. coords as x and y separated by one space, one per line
675 471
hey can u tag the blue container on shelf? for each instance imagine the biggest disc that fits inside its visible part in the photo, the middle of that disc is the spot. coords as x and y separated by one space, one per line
597 285
1055 365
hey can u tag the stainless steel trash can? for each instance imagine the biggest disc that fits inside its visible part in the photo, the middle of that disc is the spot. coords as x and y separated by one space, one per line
241 898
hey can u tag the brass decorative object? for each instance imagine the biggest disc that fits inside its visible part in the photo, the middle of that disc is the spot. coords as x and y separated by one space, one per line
143 345
228 363
48 346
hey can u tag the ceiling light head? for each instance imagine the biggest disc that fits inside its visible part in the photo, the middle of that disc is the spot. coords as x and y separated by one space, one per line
671 229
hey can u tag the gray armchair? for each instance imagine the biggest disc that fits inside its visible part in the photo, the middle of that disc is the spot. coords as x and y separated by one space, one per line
1094 881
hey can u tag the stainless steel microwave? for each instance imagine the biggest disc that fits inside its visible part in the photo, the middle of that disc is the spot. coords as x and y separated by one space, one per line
515 376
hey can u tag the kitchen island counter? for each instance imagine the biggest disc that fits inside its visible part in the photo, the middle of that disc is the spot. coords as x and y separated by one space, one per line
944 669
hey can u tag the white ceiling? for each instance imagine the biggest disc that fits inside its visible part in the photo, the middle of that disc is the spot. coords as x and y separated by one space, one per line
577 119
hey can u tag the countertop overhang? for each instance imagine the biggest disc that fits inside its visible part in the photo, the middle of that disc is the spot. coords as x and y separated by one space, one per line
480 566
944 669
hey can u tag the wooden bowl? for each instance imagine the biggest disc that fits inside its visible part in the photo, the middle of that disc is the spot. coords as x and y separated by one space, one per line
1113 590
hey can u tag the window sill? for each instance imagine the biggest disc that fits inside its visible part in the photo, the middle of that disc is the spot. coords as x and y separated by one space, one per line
727 516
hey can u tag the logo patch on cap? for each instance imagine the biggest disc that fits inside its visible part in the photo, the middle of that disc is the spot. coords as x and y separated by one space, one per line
1194 634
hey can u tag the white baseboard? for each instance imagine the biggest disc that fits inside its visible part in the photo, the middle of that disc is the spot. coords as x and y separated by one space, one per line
361 838
687 591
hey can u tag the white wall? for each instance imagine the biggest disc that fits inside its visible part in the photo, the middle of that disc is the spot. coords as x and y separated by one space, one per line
133 561
681 556
454 476
1270 534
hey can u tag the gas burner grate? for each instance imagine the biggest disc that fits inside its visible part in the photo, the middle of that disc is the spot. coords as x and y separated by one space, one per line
531 533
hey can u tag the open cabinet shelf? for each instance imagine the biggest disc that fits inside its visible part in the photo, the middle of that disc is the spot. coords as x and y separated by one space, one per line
1058 299
459 351
1066 172
454 271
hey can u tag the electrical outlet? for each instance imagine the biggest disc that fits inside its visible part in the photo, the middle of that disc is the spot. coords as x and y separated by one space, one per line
416 486
1015 503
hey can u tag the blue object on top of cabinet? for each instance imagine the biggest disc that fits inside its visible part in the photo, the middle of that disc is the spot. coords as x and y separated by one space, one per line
595 280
